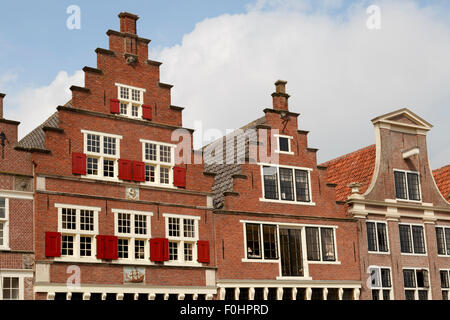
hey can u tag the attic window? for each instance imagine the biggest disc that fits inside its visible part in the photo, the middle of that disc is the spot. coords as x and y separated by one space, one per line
407 185
284 144
131 100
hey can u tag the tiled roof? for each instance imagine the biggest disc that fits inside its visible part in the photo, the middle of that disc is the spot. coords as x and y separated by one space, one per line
36 138
442 178
357 166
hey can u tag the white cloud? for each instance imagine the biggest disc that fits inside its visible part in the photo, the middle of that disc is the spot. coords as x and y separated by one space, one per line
32 106
7 78
340 74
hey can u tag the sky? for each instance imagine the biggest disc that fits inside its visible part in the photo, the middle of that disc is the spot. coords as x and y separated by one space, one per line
223 58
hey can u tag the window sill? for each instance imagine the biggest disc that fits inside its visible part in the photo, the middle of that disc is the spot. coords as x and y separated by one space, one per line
408 201
183 264
380 253
288 202
415 254
324 262
285 152
293 278
260 261
439 255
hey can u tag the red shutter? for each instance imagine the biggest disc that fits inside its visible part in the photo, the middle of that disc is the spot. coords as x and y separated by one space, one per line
115 106
203 251
138 171
53 244
79 163
159 250
125 169
146 112
179 177
107 247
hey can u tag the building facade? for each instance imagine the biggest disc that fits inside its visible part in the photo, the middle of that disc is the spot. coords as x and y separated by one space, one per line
117 214
280 234
403 218
16 215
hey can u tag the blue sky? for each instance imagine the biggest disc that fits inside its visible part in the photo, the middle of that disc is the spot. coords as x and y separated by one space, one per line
305 42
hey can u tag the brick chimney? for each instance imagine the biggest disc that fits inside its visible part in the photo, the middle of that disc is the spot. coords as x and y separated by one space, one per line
280 97
2 95
128 22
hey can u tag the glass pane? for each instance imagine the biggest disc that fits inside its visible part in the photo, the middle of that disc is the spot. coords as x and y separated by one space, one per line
150 151
375 294
386 278
386 294
2 208
284 144
444 279
109 145
253 241
382 237
270 183
302 185
409 278
413 186
286 184
312 244
418 238
423 294
447 240
174 227
440 239
400 185
371 236
93 143
405 239
291 252
270 242
409 295
328 253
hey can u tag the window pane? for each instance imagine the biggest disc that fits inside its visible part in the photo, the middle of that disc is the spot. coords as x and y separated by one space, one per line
173 251
93 143
140 224
382 237
409 278
386 278
302 185
68 219
189 228
386 294
413 186
284 144
444 279
150 173
270 183
67 245
165 154
139 249
371 236
1 234
418 238
164 175
312 244
423 294
270 242
124 93
174 227
400 185
135 95
92 166
375 277
123 108
327 244
409 295
135 110
2 208
108 168
85 246
286 184
447 240
253 241
122 248
109 146
375 295
124 223
405 239
188 256
440 239
150 151
87 220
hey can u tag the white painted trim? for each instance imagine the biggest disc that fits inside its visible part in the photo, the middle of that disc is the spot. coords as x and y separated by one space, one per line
299 225
102 134
129 87
16 194
288 202
21 274
77 207
5 222
262 164
278 144
182 216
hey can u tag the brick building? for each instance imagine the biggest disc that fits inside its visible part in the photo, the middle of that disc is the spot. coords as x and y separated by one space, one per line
117 216
16 215
403 218
280 234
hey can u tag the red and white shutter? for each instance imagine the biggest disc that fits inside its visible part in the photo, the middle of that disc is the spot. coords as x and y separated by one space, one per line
53 244
78 163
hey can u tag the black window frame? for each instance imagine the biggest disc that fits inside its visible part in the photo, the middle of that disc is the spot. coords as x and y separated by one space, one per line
264 252
271 192
256 244
407 185
414 244
443 240
320 245
275 184
286 143
377 237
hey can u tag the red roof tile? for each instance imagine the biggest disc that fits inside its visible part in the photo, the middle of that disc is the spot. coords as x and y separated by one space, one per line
357 166
442 178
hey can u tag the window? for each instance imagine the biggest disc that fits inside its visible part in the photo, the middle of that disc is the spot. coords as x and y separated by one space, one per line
159 161
4 223
78 227
284 144
416 283
133 231
182 232
267 249
320 244
286 184
381 284
407 185
10 288
102 154
445 284
412 239
443 240
377 236
131 100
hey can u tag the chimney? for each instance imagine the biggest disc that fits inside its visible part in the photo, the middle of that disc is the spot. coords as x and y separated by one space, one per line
280 97
128 22
2 95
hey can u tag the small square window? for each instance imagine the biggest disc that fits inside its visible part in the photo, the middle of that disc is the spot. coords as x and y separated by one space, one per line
123 108
92 166
164 175
284 144
85 246
122 248
108 168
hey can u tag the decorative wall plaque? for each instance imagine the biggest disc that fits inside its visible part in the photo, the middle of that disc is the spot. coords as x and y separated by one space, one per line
132 193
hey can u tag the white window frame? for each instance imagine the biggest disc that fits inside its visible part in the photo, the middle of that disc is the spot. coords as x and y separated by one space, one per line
406 185
130 102
263 199
445 289
445 241
412 239
381 288
78 233
21 274
158 163
376 235
290 138
416 289
181 240
321 261
5 222
261 244
132 236
101 156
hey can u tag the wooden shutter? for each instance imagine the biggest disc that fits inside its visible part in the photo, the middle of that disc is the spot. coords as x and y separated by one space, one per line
53 244
179 177
146 112
203 252
125 170
115 106
159 250
138 171
78 163
107 247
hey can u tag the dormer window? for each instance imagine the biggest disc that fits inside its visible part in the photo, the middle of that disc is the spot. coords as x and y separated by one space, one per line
407 185
284 144
131 100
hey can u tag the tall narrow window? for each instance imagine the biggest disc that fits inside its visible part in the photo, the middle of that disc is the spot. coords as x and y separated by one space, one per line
443 240
159 162
418 239
270 183
328 253
270 242
405 239
253 241
302 185
102 154
313 244
381 284
286 184
3 223
413 186
445 284
182 232
400 185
